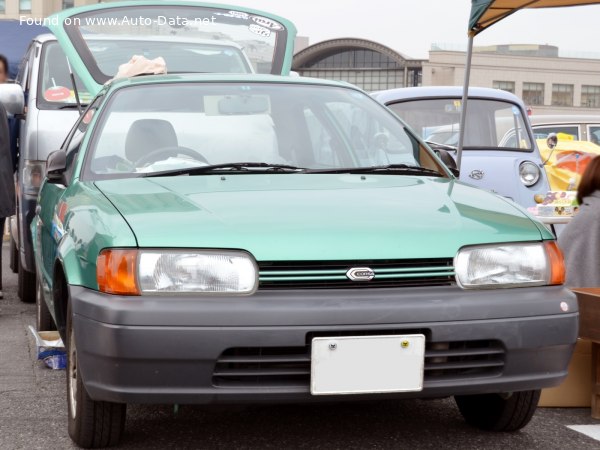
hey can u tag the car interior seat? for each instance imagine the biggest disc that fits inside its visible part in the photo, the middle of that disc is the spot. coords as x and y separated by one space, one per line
147 135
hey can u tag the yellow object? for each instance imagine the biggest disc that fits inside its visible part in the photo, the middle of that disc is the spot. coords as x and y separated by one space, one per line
561 166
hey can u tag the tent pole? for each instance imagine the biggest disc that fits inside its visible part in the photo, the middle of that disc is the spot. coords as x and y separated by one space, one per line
463 110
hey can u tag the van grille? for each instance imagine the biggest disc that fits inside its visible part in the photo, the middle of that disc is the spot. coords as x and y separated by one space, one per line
332 274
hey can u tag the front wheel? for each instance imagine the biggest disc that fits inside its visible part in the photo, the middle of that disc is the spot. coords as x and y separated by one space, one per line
92 424
498 412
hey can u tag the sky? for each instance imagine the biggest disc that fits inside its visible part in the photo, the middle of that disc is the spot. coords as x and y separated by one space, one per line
410 27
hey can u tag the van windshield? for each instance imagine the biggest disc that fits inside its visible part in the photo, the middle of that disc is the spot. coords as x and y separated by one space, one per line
491 124
55 89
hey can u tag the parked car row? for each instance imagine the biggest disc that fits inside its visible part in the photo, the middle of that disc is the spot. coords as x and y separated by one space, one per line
243 236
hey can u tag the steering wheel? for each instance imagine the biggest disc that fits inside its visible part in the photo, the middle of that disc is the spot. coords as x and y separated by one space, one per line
165 152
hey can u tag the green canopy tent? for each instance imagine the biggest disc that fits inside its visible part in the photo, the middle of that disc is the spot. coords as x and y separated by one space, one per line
484 14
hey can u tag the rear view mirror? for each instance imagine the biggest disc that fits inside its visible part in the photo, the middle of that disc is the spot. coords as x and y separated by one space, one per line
56 166
552 140
12 98
448 160
244 104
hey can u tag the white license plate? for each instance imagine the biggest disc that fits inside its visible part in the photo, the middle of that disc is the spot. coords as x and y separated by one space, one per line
367 364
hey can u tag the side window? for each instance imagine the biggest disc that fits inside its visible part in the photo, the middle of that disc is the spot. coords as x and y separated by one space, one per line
24 74
570 130
594 134
73 141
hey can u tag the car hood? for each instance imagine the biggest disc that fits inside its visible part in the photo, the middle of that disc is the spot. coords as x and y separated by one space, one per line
316 216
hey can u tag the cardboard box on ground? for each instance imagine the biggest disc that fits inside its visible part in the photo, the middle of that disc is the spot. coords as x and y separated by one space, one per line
579 388
576 390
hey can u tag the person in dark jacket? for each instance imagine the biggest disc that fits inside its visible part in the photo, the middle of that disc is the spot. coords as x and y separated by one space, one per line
7 183
580 240
3 69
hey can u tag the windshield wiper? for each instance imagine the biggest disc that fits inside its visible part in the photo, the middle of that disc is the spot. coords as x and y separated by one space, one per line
241 167
71 106
403 169
449 148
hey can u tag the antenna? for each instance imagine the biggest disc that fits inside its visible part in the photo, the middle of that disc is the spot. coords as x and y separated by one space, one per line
75 88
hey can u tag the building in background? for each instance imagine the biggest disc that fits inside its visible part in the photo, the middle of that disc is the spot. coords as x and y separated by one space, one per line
547 83
367 64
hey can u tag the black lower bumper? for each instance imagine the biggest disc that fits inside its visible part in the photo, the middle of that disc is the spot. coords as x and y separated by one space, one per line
257 349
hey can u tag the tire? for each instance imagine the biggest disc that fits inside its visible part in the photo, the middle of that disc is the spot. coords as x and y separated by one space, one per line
92 424
496 412
44 320
14 256
26 285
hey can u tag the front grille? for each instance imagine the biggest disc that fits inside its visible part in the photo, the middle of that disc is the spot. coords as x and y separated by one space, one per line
332 274
289 367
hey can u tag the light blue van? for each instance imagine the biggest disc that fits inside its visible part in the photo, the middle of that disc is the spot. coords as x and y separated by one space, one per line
492 158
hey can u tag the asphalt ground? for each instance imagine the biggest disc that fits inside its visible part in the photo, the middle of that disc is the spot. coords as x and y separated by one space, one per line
33 413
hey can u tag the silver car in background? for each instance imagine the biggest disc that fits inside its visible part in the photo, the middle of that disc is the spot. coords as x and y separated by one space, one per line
50 112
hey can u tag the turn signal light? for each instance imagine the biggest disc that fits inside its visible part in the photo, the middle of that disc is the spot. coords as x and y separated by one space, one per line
116 271
557 262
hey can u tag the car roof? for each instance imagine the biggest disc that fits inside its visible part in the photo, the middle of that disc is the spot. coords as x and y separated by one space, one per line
555 119
226 78
392 95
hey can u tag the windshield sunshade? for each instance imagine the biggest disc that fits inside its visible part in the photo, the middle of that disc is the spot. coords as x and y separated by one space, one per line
194 39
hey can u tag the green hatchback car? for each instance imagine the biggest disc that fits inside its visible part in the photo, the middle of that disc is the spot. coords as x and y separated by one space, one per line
251 238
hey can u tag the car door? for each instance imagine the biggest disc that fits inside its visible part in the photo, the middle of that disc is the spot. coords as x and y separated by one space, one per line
51 210
189 36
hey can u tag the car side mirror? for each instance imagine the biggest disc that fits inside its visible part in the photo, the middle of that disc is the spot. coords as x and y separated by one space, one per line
448 160
56 165
12 98
552 141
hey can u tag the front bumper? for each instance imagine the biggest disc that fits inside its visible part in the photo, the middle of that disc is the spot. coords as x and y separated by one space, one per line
203 350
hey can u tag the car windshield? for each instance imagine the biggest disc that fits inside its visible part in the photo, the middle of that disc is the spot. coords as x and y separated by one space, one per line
491 124
189 38
55 87
161 127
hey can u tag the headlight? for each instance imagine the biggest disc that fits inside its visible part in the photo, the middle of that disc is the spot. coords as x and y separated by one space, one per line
509 265
135 272
33 174
529 173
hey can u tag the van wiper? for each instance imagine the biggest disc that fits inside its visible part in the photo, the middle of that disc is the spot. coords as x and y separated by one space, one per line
449 148
241 167
402 169
71 106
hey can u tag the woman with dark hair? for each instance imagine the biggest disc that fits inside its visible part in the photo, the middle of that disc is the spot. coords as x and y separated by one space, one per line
580 240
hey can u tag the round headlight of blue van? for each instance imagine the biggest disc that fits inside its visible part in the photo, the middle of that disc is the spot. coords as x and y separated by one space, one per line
529 173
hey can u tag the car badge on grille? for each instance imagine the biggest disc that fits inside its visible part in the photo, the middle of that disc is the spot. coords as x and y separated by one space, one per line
476 174
360 274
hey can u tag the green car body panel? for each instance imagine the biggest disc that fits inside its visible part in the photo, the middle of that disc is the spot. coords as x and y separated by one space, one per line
275 217
57 21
